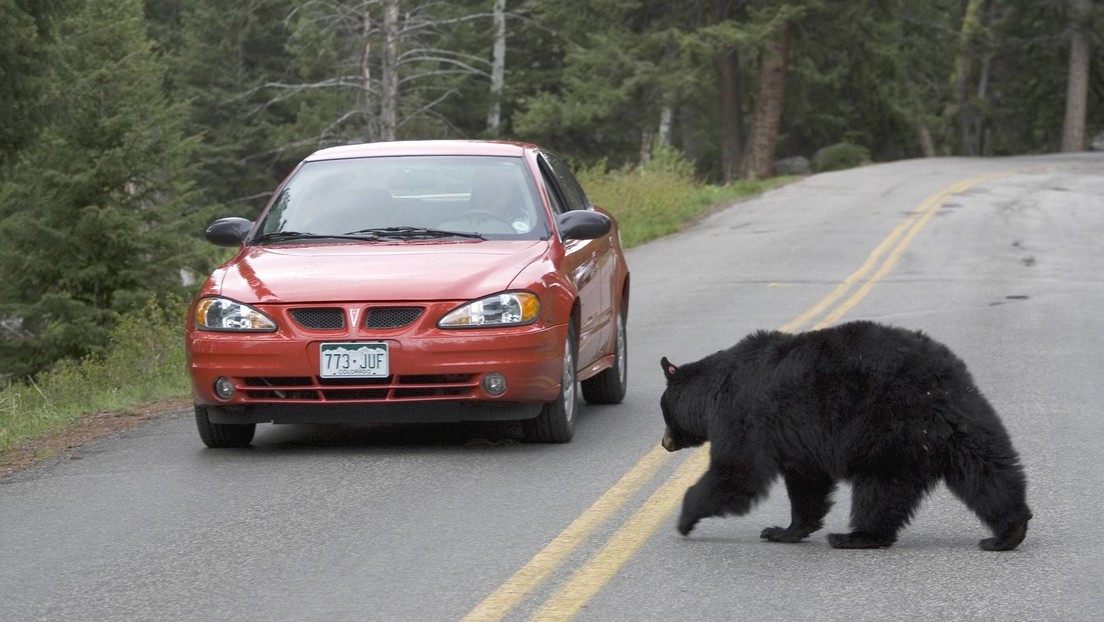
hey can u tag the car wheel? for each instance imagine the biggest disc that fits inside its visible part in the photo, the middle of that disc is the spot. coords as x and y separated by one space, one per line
609 387
223 434
556 421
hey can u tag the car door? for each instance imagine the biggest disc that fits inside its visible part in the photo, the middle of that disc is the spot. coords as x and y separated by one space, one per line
586 261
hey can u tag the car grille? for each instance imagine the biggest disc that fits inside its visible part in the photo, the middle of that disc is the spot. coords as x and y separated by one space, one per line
391 317
333 318
320 319
392 388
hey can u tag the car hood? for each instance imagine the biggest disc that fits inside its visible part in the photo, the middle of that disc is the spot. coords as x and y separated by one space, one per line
375 271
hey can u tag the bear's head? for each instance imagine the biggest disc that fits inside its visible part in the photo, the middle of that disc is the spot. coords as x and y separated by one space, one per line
676 436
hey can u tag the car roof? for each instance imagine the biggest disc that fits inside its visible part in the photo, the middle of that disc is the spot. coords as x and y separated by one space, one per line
423 147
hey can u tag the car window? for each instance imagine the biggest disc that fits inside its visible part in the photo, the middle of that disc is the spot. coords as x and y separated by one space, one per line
552 191
492 196
573 193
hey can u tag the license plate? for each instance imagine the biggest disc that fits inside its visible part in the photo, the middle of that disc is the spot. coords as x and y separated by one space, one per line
354 360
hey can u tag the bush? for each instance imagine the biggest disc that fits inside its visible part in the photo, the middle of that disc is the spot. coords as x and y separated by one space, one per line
840 156
144 363
662 197
648 203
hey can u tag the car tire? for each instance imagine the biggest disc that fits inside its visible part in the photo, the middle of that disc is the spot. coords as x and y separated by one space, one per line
609 387
556 421
218 435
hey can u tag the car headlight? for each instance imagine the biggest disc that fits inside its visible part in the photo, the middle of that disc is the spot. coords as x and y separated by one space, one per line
506 309
223 314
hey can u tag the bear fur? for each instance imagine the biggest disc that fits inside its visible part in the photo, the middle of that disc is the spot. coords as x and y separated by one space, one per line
889 410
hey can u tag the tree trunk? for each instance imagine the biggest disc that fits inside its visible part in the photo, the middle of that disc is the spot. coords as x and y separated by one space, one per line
498 67
664 133
727 69
759 158
1073 127
966 111
927 146
389 72
645 146
981 129
371 127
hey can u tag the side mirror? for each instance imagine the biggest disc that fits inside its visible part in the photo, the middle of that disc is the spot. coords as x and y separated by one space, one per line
228 231
583 225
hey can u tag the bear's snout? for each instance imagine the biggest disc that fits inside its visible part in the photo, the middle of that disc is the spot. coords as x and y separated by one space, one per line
668 441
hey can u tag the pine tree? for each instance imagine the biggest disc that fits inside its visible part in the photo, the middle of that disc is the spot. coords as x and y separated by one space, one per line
96 204
218 61
624 70
21 72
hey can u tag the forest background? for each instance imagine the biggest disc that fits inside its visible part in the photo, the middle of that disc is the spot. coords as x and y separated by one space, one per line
127 125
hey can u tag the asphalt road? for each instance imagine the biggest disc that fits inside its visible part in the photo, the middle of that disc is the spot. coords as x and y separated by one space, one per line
1001 259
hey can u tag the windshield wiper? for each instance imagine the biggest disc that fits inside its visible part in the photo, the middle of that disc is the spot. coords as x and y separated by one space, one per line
283 236
415 233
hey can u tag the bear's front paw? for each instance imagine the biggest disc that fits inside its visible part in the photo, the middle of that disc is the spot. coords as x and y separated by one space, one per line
782 534
861 540
686 524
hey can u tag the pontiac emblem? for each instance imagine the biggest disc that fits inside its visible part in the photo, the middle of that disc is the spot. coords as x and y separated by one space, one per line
353 313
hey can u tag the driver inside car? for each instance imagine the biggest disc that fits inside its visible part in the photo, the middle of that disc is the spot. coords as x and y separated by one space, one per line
495 203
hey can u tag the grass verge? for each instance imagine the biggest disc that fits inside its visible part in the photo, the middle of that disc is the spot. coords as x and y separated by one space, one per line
145 364
662 197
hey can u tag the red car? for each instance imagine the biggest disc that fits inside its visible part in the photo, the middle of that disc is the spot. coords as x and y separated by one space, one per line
421 281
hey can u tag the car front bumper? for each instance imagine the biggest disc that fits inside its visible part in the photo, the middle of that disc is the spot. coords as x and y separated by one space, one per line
434 376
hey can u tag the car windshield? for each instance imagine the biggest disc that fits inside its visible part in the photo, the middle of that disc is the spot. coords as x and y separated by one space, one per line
407 198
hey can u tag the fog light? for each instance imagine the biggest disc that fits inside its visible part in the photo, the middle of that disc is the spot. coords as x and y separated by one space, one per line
224 387
494 383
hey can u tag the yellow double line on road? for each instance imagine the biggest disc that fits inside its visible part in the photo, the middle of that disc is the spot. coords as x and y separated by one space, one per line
589 579
898 240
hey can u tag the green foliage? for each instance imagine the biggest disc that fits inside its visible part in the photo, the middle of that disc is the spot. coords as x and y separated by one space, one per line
336 58
1032 51
870 73
144 363
219 55
646 204
95 206
622 65
20 71
660 198
840 156
667 160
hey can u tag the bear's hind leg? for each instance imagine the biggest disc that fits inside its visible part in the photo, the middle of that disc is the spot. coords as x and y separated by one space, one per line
995 491
880 506
810 500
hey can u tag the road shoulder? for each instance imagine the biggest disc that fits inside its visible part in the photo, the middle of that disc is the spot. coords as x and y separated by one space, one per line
61 443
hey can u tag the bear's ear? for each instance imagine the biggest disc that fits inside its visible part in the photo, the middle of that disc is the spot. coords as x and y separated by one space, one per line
669 368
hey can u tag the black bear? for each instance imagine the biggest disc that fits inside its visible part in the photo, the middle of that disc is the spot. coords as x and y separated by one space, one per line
890 410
